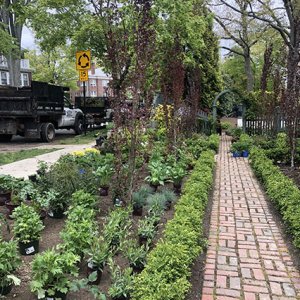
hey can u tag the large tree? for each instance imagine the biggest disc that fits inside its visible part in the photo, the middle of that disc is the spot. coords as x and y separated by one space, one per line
12 21
285 18
235 25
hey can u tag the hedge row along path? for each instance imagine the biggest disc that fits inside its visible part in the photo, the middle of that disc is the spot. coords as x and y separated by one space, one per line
247 257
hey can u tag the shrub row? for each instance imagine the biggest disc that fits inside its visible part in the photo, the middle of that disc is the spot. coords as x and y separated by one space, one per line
282 191
169 264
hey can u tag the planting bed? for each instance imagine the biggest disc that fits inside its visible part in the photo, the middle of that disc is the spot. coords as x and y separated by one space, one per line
95 225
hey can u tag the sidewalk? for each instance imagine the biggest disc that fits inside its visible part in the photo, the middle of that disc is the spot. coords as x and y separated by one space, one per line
26 167
247 257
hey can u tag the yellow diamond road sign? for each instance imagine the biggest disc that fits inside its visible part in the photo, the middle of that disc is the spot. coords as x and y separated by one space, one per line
83 75
83 60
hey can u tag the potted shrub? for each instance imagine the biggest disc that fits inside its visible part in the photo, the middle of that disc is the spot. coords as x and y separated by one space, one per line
57 205
81 198
177 173
79 230
146 230
136 255
9 262
27 229
157 174
115 228
14 202
51 274
170 197
98 254
157 203
139 199
104 174
122 283
6 182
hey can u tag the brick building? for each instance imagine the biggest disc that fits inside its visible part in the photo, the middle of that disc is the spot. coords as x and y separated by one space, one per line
26 72
96 86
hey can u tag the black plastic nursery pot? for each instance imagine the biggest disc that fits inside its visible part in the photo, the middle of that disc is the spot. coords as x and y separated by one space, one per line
154 187
29 248
57 296
33 177
137 210
143 240
92 268
120 298
103 191
6 289
5 196
177 188
10 208
56 213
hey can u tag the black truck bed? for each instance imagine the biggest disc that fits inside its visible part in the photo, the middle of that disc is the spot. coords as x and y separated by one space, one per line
39 99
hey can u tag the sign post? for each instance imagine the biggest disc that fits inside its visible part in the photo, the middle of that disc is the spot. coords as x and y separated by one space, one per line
83 64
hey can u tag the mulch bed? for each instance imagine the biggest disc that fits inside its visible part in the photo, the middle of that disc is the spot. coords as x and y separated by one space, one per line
50 238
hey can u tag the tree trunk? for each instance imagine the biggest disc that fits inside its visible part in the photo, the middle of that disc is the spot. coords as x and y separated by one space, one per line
14 69
292 105
248 71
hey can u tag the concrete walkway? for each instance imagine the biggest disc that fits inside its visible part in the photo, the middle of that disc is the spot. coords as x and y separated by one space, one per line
26 167
247 257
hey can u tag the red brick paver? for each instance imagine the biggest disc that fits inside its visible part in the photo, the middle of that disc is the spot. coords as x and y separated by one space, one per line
247 257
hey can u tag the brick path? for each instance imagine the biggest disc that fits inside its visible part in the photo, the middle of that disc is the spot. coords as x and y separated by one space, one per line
247 257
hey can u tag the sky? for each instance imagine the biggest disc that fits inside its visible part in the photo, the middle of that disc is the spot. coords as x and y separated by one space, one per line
27 41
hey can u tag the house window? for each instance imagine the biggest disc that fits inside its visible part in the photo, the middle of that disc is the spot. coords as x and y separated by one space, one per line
24 79
93 82
3 61
105 83
4 78
93 94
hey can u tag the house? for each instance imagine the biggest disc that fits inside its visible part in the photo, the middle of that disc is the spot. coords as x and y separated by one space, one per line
96 86
26 72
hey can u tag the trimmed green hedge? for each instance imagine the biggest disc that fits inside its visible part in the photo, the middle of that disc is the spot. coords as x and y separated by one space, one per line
282 191
169 264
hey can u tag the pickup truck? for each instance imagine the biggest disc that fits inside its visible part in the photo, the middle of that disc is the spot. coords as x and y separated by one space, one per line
36 111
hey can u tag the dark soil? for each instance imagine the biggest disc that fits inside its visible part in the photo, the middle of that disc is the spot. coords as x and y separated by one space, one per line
50 238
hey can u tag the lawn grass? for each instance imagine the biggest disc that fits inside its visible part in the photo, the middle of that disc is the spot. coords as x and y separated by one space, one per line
10 157
82 139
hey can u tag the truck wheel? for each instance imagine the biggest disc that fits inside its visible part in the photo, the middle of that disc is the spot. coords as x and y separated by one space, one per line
47 132
78 127
5 138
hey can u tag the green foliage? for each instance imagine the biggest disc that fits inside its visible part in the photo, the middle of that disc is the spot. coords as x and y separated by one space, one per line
98 253
116 227
243 144
139 197
281 190
147 228
55 66
158 172
79 230
121 282
52 271
177 173
104 174
168 268
135 254
27 225
9 262
280 150
81 198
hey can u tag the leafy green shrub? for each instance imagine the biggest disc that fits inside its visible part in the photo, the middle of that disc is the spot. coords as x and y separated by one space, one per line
281 190
9 262
28 225
81 198
168 268
79 230
243 144
52 272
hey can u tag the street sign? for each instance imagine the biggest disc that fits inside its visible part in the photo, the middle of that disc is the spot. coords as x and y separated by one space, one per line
83 75
83 60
